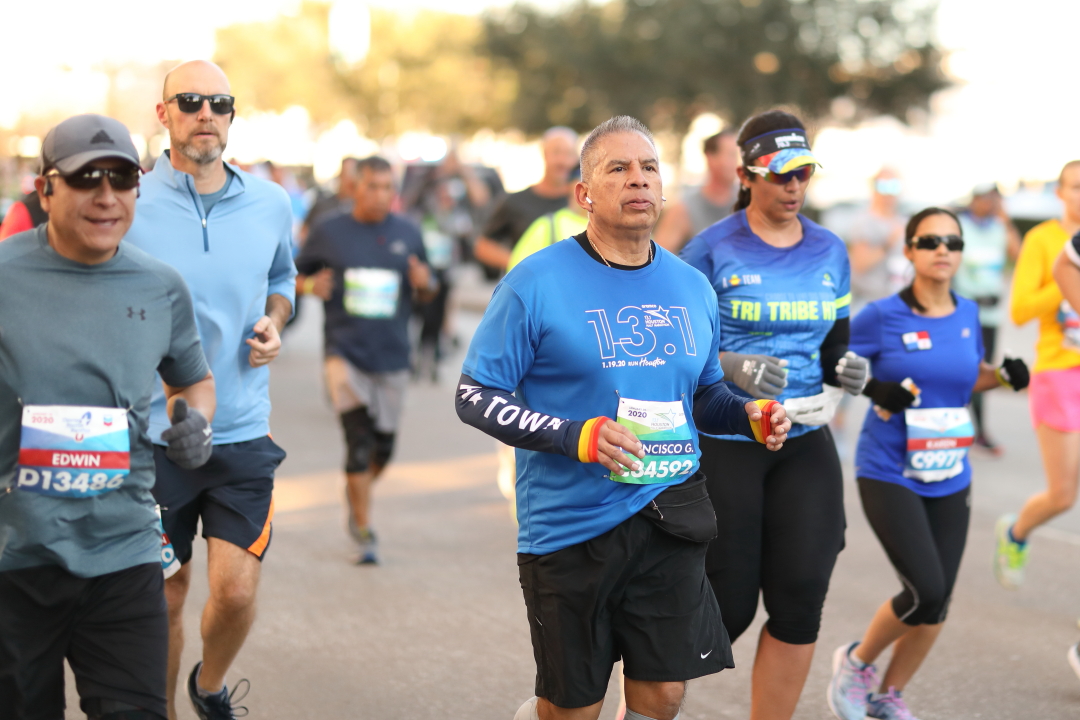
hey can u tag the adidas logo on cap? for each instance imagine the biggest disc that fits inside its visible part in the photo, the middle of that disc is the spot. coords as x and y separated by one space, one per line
101 137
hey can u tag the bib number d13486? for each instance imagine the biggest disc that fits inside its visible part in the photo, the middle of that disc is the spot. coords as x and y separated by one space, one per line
938 440
661 427
73 451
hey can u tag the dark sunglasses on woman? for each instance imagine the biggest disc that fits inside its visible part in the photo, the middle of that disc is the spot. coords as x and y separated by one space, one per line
954 243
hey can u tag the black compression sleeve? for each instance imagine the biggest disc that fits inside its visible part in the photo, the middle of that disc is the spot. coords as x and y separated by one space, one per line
505 418
718 411
833 347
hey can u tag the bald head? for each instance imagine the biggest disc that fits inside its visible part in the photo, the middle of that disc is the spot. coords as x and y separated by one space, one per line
196 76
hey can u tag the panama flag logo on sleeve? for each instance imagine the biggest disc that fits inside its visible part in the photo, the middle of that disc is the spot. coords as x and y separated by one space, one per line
916 340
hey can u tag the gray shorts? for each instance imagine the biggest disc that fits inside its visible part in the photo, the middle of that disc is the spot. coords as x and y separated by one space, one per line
381 393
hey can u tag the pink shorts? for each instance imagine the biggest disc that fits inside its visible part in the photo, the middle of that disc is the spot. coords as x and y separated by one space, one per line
1054 396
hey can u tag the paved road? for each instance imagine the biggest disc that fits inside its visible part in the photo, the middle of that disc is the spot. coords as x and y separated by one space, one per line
438 630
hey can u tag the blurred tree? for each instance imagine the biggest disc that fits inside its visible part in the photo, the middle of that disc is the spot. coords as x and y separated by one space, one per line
422 71
666 61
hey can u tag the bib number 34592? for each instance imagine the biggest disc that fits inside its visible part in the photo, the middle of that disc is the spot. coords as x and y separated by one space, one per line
73 451
669 446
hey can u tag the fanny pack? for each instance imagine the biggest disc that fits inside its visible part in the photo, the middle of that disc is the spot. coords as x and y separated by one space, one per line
987 301
684 511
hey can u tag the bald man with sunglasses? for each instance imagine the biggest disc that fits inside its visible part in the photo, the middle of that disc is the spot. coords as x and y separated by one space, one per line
229 234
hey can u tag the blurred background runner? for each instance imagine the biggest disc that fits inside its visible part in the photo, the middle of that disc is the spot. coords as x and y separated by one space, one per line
990 239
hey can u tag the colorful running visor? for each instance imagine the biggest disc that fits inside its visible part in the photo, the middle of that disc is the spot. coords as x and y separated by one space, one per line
780 151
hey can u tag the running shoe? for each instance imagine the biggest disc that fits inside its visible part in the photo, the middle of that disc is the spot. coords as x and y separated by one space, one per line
219 706
984 443
1010 557
1074 659
850 687
369 547
889 707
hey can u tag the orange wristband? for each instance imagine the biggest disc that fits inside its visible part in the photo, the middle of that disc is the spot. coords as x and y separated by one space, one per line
589 438
763 427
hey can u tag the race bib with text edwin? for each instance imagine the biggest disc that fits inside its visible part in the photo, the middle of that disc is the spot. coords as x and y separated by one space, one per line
73 451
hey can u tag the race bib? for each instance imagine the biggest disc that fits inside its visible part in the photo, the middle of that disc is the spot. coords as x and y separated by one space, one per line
669 445
937 442
372 292
1070 326
73 452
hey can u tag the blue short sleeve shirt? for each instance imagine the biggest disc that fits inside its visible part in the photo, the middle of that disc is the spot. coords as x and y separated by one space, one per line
775 301
571 337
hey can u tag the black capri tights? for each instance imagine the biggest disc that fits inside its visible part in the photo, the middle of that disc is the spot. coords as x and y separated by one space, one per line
924 538
780 517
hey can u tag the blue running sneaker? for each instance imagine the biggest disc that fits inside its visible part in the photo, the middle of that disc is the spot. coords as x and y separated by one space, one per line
851 685
369 547
888 707
218 706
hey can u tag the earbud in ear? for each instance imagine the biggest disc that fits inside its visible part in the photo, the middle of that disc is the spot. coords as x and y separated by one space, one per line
663 199
588 200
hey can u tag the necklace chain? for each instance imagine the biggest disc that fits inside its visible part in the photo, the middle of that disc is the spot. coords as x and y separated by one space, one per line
597 251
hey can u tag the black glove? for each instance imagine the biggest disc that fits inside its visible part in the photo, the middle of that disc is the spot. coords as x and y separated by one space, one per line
1013 373
190 438
891 396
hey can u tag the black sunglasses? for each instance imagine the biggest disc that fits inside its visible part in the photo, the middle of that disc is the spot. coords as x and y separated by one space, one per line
192 103
954 243
88 178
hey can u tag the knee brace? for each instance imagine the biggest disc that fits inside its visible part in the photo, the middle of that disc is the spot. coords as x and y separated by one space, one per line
107 709
359 439
384 448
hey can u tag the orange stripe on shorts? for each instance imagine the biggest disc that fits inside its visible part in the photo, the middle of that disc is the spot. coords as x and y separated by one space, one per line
259 546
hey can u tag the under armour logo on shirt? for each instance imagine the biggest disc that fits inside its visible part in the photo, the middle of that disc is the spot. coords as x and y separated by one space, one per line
132 313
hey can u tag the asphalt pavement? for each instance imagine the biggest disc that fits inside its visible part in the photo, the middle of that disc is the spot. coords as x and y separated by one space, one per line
438 630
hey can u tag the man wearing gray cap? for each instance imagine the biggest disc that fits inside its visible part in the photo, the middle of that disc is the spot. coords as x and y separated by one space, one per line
88 321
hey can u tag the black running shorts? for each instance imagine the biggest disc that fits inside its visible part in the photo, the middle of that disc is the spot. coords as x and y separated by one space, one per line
232 494
634 592
113 629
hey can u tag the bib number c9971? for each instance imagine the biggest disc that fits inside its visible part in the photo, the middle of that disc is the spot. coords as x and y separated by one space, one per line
938 440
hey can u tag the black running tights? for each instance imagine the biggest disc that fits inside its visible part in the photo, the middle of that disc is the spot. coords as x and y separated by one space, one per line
780 517
924 538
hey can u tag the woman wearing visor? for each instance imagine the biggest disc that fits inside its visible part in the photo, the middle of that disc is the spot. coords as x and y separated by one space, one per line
925 346
782 283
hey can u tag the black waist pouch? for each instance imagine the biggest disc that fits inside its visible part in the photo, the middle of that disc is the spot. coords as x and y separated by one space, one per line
684 510
987 301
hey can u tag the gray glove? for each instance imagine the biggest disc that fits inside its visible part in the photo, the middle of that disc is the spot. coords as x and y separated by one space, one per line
190 438
852 372
763 376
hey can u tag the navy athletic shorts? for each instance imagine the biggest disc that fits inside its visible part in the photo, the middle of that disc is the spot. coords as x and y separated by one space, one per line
232 494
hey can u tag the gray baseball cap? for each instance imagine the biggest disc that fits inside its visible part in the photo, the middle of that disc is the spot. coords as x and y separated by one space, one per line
85 138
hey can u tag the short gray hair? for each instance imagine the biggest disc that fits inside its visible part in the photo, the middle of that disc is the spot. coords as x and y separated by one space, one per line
612 126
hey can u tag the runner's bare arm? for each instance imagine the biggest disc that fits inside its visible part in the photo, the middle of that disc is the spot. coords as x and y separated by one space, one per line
200 396
1067 276
674 229
504 417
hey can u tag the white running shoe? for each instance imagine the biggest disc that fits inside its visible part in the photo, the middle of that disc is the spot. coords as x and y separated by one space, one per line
850 687
1074 658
